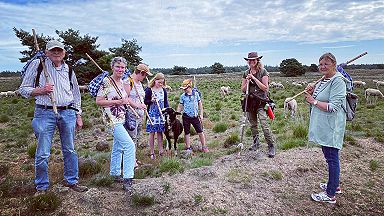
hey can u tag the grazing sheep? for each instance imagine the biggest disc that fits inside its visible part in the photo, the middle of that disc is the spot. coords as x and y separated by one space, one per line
298 84
290 105
224 90
276 85
379 83
11 93
372 93
359 83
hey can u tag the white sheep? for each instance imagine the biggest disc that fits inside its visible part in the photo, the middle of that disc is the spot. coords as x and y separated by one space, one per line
224 90
11 93
372 93
83 88
290 105
3 94
359 83
379 83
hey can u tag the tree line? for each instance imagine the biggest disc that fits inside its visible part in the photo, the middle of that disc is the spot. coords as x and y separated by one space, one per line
78 45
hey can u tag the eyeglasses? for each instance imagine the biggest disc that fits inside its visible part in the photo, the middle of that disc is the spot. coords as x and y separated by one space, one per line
324 65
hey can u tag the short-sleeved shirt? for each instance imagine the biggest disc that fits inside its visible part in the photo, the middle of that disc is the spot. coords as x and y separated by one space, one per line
114 114
190 103
134 95
255 88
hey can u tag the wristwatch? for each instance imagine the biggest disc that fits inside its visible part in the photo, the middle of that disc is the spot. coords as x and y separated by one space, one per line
315 103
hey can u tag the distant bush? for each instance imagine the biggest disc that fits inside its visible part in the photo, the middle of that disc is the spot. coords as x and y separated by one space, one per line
220 127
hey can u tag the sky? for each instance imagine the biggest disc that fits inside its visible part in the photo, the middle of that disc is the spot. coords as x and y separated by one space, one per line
199 33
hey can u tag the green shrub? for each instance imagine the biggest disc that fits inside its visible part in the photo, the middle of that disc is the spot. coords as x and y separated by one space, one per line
300 131
166 187
276 175
292 143
45 202
4 118
220 127
234 117
172 166
373 165
199 162
198 199
142 200
218 106
103 181
89 167
231 140
31 150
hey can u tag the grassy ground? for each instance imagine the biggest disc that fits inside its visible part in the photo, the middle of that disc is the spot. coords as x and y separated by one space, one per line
221 125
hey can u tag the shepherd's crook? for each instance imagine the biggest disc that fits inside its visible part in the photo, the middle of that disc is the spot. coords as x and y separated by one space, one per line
129 106
357 57
51 96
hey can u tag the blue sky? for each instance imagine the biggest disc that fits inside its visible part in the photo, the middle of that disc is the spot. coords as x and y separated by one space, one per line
199 33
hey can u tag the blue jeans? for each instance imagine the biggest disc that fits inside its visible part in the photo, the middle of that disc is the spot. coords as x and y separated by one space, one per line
123 148
332 157
44 124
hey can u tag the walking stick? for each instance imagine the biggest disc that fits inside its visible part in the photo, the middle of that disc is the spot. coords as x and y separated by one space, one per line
353 59
42 60
244 119
129 106
146 112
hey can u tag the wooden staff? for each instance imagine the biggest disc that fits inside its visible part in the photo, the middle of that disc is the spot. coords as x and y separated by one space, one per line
357 57
157 102
42 60
129 106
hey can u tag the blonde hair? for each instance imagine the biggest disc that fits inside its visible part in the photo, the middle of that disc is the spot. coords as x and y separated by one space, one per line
329 56
158 76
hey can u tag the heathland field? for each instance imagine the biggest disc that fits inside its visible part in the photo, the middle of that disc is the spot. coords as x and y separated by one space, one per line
225 181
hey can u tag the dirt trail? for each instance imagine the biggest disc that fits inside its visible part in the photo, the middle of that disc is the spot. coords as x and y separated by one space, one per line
249 184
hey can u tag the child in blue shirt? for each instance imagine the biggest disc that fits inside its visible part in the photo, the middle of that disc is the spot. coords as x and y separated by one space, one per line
190 104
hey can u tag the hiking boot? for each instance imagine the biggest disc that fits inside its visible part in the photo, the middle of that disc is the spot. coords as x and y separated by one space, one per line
323 186
118 179
76 187
323 197
127 185
271 151
205 149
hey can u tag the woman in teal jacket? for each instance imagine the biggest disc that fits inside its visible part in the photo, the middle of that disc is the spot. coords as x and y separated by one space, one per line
327 122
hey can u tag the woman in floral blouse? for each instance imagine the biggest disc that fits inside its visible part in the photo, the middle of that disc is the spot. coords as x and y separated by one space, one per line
114 100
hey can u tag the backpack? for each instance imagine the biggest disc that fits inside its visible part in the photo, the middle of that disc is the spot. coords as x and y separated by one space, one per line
351 98
350 108
96 82
40 69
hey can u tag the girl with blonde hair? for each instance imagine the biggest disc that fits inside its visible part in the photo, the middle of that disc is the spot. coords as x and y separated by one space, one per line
156 99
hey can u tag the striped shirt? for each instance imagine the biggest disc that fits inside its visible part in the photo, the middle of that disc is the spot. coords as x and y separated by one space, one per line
317 90
59 77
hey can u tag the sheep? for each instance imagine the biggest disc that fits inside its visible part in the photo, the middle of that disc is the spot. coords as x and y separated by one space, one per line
379 83
276 85
359 83
224 90
11 93
372 93
298 84
3 94
290 105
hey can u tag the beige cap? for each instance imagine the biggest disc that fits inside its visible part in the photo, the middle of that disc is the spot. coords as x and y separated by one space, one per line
143 68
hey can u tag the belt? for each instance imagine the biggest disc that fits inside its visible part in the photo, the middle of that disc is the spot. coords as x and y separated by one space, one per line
59 107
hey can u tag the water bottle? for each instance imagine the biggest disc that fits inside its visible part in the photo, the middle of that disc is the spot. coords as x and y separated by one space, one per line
270 113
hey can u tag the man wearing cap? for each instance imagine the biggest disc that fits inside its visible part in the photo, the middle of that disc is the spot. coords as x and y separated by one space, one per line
65 91
256 79
137 93
190 103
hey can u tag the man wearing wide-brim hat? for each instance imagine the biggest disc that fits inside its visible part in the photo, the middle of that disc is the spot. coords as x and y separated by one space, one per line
256 79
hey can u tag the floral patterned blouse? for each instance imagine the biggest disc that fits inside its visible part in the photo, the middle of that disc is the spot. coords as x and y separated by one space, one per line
115 114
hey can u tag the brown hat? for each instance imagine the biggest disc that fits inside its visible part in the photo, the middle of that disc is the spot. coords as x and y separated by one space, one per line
253 55
186 83
143 68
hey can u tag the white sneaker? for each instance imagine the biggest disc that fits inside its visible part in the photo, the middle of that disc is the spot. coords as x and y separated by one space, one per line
323 186
323 197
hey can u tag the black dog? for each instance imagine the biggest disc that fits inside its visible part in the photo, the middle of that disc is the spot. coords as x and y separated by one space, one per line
173 127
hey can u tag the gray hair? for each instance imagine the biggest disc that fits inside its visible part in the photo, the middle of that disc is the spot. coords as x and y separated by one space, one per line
118 59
